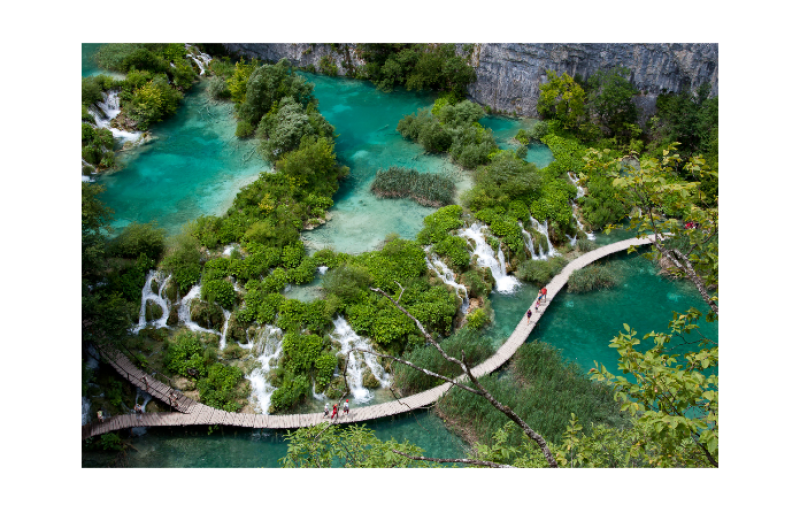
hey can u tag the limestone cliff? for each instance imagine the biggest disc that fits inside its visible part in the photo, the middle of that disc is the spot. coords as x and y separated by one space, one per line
509 74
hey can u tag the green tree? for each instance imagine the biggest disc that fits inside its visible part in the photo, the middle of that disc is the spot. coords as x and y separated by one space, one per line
563 99
610 98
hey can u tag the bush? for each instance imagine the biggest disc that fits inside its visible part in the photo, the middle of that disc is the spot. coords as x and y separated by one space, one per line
347 282
183 261
218 88
540 272
438 224
219 389
292 391
325 364
593 277
454 248
477 349
477 319
184 353
138 239
219 291
426 189
244 129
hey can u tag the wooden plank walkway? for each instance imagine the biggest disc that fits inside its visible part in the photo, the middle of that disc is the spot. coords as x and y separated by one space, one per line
194 413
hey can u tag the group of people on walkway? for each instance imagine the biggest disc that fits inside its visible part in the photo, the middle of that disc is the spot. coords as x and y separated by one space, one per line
335 413
540 299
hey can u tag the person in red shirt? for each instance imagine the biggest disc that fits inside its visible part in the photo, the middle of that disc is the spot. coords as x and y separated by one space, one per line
335 412
543 295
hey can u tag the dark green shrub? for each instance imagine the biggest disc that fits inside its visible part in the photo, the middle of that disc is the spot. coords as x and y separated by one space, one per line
244 129
593 277
219 291
426 189
218 390
454 248
291 392
138 239
540 272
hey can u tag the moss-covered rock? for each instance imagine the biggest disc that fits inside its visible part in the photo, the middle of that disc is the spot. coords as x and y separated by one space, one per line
152 311
171 290
206 315
237 330
337 388
154 286
173 318
369 381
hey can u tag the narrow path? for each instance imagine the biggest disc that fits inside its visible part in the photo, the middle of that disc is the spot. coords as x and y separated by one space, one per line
194 413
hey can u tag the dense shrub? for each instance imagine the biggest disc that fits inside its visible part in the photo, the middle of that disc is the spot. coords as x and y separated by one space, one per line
183 260
138 239
476 348
426 189
593 277
540 272
218 390
454 248
220 292
438 224
291 392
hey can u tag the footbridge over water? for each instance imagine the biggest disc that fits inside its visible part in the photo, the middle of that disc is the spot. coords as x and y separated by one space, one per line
190 412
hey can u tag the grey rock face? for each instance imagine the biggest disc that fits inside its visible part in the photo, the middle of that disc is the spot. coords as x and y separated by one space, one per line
299 54
509 74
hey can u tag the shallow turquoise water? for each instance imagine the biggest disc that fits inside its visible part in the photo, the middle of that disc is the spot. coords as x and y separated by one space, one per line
194 167
366 121
263 448
505 128
582 325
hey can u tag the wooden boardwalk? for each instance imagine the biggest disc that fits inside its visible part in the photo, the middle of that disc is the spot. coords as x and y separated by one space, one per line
194 413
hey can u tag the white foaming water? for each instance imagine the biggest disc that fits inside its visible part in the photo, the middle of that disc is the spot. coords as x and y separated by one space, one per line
528 238
200 58
322 269
589 234
268 346
349 340
447 275
147 294
139 431
224 329
229 249
185 315
109 109
487 258
574 180
542 228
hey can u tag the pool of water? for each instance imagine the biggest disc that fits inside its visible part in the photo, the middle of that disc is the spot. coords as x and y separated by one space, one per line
237 447
505 128
366 121
195 166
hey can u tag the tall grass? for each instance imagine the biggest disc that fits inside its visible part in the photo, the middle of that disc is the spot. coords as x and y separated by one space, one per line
540 272
427 189
540 387
593 277
476 348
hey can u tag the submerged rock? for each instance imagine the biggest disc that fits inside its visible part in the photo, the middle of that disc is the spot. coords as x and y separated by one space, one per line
209 316
152 311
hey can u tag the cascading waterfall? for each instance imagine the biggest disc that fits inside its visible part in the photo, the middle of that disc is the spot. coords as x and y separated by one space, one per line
448 277
185 315
109 109
581 193
148 295
322 270
542 228
268 346
200 58
224 334
487 258
85 408
349 340
589 234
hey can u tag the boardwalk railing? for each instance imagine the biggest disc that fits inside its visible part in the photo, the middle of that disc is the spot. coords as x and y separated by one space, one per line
194 413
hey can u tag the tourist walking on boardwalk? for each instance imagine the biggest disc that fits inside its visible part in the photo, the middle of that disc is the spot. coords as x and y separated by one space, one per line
325 412
100 416
173 399
335 412
536 306
146 385
347 406
528 314
138 410
542 295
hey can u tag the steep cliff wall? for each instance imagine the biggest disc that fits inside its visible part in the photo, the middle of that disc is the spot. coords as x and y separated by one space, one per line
300 54
509 74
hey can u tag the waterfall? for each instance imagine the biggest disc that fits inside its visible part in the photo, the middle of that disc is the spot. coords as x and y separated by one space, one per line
447 276
85 408
268 347
227 315
574 180
185 315
202 59
148 295
542 228
109 109
487 258
348 338
228 250
322 269
589 234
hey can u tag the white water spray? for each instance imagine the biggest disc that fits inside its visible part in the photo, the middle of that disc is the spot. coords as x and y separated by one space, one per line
542 228
487 258
268 346
106 111
349 340
148 295
185 314
448 277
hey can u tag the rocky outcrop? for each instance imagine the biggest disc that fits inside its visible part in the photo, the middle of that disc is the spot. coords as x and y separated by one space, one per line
509 74
301 54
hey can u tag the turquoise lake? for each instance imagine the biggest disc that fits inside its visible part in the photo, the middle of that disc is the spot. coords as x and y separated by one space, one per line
195 166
